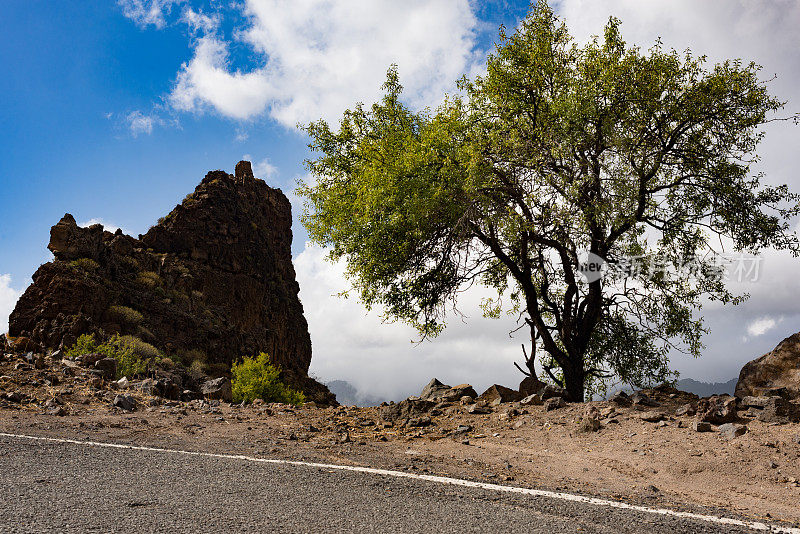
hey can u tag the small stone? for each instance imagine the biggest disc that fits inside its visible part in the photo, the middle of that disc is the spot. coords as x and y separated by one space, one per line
701 426
466 400
218 388
107 367
554 403
125 402
652 417
477 409
620 398
532 400
732 430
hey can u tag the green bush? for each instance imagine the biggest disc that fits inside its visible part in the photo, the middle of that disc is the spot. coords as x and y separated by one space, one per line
257 378
124 315
122 349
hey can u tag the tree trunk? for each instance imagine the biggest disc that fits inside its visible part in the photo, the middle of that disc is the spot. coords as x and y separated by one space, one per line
573 383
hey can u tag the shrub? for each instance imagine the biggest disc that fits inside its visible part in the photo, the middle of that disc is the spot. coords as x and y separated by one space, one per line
85 344
149 279
257 378
144 350
129 363
197 370
124 314
85 264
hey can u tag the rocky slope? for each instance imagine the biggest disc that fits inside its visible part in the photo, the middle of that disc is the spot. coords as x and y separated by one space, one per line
212 281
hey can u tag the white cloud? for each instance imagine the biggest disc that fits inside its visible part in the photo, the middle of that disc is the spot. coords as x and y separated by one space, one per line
761 326
8 299
380 359
199 21
265 170
139 123
320 57
147 12
109 227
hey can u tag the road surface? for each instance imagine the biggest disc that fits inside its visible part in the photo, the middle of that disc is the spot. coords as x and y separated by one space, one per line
53 486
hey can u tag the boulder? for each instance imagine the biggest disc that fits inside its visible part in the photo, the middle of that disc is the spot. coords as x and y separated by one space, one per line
702 426
455 393
642 399
497 394
718 409
107 366
125 402
433 390
530 385
652 417
779 368
217 388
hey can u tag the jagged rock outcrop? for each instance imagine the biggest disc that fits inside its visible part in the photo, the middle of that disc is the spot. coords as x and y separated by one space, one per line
213 280
775 373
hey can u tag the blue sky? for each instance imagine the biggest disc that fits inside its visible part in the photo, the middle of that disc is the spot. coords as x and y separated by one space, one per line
114 111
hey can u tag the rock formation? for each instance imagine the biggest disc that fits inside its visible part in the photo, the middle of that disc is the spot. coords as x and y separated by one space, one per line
213 281
775 373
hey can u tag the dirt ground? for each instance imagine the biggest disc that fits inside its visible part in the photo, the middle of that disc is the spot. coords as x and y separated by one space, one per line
667 463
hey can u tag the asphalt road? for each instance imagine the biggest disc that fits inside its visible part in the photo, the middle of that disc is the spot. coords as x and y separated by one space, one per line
68 487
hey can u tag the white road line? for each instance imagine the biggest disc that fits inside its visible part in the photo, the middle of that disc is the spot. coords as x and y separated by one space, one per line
754 525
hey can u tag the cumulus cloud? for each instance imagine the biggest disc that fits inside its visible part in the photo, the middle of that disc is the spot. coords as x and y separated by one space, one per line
8 299
264 169
321 57
147 12
761 326
383 359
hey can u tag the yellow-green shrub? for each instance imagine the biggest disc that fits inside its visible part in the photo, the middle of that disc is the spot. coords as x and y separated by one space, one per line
149 279
257 378
129 363
124 315
85 264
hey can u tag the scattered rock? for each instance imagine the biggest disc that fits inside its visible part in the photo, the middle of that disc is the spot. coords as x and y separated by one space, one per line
218 388
590 421
642 399
477 409
456 393
652 417
532 400
107 366
125 402
466 399
419 421
122 383
779 410
620 398
702 426
433 390
497 394
406 409
687 409
718 409
732 430
550 391
554 403
530 385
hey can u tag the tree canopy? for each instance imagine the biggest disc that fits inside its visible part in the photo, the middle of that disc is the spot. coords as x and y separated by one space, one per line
558 151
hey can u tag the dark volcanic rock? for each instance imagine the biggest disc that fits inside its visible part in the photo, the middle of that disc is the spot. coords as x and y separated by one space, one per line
215 275
779 369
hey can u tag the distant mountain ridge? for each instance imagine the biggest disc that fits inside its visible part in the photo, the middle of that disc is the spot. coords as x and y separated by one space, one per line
348 395
706 389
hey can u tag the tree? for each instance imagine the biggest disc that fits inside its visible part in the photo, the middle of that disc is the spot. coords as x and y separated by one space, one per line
558 151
